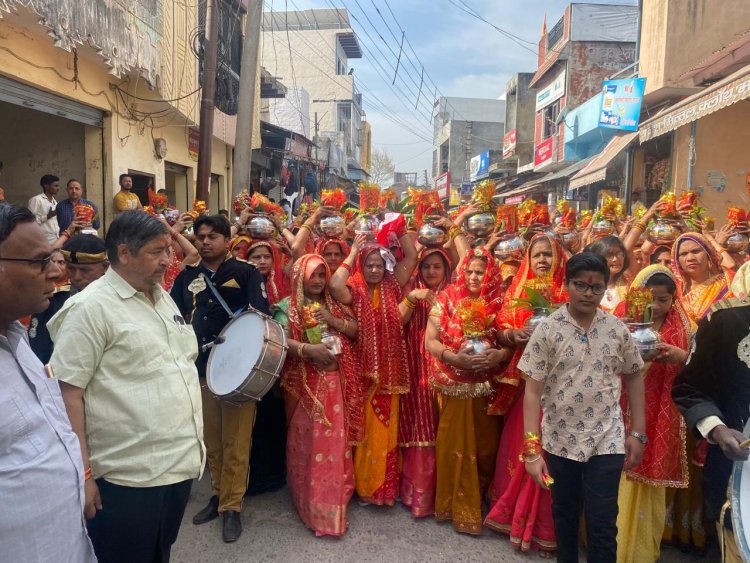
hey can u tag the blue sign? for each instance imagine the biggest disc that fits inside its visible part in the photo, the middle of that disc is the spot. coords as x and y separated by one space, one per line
621 103
479 165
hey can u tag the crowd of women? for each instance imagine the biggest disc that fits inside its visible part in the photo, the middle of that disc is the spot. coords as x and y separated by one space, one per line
401 379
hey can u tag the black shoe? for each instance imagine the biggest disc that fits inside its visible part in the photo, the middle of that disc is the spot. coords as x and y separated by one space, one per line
210 512
232 528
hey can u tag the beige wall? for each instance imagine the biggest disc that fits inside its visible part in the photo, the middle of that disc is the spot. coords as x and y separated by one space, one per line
676 35
721 153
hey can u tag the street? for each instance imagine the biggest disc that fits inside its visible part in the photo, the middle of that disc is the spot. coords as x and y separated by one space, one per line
273 532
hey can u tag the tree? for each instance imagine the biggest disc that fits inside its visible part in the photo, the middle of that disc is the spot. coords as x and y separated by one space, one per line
382 167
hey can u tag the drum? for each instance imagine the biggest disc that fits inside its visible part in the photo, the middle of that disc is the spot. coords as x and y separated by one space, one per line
246 358
740 490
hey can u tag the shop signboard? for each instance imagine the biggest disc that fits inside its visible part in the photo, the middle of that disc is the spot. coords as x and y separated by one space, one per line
443 185
465 188
515 199
455 200
479 165
551 93
509 143
544 153
193 143
621 103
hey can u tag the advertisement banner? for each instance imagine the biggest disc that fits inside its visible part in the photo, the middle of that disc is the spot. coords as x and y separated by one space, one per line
455 200
509 143
193 142
479 165
551 93
443 185
544 153
621 103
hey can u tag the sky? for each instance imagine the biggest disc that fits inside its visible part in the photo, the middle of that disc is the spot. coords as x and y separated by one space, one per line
461 56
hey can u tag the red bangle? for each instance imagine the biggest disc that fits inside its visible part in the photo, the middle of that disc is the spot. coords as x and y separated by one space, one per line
173 233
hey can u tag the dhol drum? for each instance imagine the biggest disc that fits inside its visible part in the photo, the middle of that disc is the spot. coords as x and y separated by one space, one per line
246 358
741 503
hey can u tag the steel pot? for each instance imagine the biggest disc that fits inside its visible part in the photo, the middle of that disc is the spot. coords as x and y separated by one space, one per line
663 233
475 345
480 225
737 242
571 240
431 236
534 321
366 225
332 227
510 247
603 228
646 340
260 228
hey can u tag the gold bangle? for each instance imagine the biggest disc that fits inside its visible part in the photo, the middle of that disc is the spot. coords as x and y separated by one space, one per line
532 460
409 303
306 226
531 436
346 325
301 350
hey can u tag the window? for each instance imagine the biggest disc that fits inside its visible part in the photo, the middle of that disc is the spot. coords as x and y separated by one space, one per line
555 34
551 112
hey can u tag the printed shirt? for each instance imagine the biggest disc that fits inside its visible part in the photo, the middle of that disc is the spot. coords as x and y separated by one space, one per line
135 361
125 200
41 471
66 213
581 373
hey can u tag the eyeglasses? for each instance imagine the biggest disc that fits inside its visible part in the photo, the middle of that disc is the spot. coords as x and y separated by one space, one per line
43 262
596 289
615 256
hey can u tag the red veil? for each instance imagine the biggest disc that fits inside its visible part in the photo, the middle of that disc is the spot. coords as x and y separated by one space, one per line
322 243
303 379
515 317
446 378
381 346
276 281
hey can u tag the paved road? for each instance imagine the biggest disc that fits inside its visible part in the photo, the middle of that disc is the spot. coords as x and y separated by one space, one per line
273 532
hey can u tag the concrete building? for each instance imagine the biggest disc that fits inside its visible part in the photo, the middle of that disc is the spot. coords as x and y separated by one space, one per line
93 93
589 43
520 108
462 129
312 49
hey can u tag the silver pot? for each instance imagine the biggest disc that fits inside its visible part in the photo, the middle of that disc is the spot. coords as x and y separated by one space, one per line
663 233
481 225
366 225
534 321
510 247
475 345
332 227
646 340
571 240
737 242
260 228
431 236
603 228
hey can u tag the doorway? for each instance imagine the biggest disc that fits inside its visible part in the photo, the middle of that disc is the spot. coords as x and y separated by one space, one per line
142 181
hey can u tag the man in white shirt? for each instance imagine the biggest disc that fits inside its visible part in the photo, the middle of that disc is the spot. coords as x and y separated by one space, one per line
41 472
44 207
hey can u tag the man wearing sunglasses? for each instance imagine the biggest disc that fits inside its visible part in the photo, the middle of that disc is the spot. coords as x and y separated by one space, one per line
575 364
41 473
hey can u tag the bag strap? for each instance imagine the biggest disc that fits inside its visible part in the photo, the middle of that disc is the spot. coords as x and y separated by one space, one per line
216 293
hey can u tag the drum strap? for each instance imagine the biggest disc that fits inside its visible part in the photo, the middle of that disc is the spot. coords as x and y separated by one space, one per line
216 293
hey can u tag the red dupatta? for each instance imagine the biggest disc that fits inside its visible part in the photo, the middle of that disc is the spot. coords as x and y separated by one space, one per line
665 456
303 379
445 378
381 346
322 243
276 281
515 317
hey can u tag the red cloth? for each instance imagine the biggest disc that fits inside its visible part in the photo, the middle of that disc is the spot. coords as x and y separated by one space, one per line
277 285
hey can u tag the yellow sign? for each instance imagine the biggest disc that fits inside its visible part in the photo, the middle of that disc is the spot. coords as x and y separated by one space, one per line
455 199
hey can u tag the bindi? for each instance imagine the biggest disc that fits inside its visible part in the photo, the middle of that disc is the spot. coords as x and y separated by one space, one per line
591 279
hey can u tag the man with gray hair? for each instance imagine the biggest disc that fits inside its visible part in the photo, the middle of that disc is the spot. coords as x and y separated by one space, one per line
126 360
41 474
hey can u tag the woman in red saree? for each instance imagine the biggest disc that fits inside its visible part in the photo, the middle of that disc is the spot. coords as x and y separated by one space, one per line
522 509
374 292
640 521
418 424
325 398
333 251
460 336
266 256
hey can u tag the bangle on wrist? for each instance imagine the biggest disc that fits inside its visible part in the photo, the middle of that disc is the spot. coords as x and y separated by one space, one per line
409 303
301 350
442 352
87 475
533 459
306 226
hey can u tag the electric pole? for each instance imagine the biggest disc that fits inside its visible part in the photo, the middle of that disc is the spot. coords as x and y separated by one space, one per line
243 143
208 93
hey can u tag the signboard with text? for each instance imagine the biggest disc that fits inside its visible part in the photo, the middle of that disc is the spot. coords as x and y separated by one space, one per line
515 199
509 143
479 165
552 92
443 185
193 143
544 153
621 103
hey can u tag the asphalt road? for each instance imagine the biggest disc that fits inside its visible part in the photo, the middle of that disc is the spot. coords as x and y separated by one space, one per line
273 532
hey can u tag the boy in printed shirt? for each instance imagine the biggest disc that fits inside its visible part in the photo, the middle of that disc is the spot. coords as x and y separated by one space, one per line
575 363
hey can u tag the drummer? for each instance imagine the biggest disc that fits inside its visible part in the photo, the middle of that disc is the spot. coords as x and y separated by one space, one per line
227 427
713 394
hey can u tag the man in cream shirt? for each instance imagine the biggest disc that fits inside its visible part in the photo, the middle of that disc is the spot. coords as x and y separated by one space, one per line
126 362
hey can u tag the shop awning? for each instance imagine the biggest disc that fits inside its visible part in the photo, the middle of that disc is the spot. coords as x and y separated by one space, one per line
724 93
596 169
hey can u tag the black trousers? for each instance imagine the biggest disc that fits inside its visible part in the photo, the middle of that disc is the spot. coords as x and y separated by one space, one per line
592 485
138 525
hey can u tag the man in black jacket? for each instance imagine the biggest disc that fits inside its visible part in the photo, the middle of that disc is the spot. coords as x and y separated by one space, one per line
227 427
713 394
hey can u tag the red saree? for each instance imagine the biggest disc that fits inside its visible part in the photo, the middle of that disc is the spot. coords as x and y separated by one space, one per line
277 285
